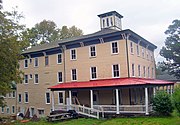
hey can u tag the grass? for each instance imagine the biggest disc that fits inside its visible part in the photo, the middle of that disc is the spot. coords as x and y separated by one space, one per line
171 120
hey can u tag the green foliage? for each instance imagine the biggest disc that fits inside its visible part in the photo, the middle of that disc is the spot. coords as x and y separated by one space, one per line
47 31
114 121
11 46
171 50
176 99
162 103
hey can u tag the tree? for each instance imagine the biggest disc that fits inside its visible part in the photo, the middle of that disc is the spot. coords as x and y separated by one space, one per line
171 50
11 45
47 31
162 103
71 32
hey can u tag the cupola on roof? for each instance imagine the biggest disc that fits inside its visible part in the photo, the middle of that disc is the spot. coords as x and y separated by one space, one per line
111 20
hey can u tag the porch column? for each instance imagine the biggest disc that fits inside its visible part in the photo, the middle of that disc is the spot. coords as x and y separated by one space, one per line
91 98
146 101
171 87
117 101
70 98
52 95
154 91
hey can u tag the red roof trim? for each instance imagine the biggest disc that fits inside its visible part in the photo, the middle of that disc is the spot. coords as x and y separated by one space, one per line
109 83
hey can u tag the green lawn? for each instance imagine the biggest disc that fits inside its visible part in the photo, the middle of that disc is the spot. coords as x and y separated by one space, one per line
173 120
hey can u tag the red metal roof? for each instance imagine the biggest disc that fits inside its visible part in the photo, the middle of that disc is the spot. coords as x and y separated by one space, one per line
109 83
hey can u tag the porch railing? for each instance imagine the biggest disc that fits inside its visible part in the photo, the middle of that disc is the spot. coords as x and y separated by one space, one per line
80 109
122 108
86 111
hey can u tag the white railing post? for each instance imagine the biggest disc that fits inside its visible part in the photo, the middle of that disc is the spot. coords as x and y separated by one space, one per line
91 97
70 99
52 95
117 101
146 101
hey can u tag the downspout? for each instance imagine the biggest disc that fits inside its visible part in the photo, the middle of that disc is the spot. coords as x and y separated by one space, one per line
126 37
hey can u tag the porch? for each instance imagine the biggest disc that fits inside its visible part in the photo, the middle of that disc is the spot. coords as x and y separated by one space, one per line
118 98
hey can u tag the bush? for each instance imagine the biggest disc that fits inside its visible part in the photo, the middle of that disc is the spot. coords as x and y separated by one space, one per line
162 104
176 99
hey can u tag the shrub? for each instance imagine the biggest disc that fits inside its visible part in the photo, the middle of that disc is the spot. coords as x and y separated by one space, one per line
176 99
162 104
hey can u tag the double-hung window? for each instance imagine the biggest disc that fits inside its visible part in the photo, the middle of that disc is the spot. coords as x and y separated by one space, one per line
59 58
36 78
93 72
114 47
26 63
137 49
26 79
139 70
19 98
60 80
74 74
13 109
133 70
26 97
116 70
131 48
142 52
73 54
46 60
144 71
36 62
60 98
92 51
47 96
148 72
13 94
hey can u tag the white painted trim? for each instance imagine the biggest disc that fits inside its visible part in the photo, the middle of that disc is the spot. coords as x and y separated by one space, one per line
63 96
131 47
27 63
90 51
14 93
52 95
12 109
58 77
27 79
71 54
35 78
2 110
46 97
133 75
117 47
117 101
91 73
70 98
57 58
146 101
113 71
6 110
37 61
25 97
72 76
18 97
91 98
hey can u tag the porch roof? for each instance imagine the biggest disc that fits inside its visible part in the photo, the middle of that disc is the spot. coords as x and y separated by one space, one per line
109 83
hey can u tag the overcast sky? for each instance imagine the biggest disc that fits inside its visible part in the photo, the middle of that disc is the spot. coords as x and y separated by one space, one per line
148 18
